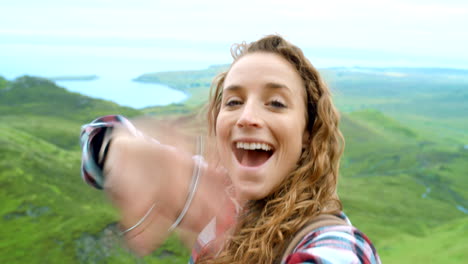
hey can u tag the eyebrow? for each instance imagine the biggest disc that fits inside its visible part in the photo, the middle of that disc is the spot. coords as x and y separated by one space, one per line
269 85
277 86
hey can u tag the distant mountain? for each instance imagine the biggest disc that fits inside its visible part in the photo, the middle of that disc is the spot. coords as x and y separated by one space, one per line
74 78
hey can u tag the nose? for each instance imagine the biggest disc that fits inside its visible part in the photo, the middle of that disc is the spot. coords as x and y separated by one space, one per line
249 117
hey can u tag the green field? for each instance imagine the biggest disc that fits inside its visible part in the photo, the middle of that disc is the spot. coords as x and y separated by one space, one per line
403 176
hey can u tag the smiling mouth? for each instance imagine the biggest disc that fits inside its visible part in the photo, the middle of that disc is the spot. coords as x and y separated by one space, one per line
252 154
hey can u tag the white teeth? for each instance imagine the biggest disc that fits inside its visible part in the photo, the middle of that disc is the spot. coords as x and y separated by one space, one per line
253 146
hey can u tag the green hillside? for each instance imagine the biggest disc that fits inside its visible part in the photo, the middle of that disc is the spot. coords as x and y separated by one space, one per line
446 244
403 175
395 184
47 213
30 95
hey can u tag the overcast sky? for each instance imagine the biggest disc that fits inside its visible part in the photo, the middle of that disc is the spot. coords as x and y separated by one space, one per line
421 28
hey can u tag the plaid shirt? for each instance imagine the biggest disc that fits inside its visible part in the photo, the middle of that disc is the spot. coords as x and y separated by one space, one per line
334 244
325 245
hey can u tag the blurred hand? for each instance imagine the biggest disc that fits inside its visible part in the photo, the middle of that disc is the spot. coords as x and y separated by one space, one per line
141 172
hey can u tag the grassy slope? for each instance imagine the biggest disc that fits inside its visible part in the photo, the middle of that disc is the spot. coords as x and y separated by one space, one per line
47 213
41 201
389 163
446 244
386 170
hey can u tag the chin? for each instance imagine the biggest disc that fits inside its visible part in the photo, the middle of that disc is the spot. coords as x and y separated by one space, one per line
247 192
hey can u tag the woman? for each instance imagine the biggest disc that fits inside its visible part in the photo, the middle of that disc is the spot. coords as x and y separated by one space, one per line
277 139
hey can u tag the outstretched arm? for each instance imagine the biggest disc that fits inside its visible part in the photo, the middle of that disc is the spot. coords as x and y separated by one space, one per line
150 183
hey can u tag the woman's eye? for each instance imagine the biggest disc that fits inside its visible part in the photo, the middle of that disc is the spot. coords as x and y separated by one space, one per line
277 104
233 102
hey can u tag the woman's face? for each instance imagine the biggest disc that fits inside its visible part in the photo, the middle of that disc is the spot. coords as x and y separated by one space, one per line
261 124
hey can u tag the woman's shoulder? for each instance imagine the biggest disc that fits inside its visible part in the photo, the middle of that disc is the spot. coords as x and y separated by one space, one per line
334 244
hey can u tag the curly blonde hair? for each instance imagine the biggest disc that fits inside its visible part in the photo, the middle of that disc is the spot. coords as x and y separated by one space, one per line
265 226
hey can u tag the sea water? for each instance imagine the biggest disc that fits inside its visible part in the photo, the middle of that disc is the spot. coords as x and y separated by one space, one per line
115 64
